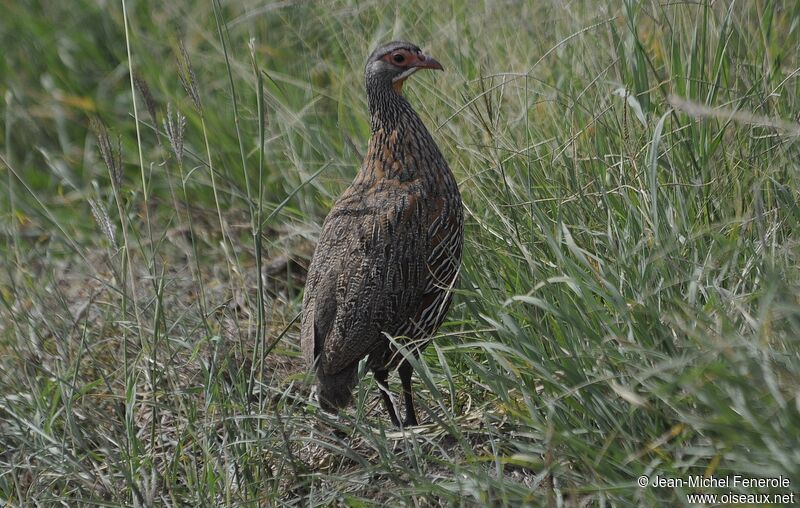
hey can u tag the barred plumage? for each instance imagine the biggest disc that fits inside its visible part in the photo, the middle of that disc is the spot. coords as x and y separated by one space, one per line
390 249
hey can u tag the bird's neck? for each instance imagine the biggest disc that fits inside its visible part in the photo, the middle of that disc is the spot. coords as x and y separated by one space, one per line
400 147
389 110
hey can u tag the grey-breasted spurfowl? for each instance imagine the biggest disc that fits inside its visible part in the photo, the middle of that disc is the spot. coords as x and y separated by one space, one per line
390 249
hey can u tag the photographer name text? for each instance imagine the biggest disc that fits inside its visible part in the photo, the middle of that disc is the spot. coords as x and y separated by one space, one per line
734 481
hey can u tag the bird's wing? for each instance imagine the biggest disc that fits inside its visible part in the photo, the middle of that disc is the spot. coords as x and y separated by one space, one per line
444 259
367 275
446 233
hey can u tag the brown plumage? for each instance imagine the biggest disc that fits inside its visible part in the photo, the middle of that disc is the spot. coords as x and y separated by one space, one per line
390 248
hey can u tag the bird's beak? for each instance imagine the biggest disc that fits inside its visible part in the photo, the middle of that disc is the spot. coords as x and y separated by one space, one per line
422 62
427 62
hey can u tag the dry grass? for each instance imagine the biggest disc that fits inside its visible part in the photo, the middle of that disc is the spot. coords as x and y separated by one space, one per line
628 302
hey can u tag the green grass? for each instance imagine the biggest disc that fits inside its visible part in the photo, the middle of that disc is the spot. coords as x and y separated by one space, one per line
629 295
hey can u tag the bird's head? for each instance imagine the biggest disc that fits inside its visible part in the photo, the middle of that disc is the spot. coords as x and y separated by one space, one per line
392 63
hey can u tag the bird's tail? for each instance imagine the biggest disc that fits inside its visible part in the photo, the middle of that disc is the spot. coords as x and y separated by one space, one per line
335 391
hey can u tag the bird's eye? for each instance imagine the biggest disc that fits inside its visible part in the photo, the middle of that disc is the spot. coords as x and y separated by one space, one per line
399 58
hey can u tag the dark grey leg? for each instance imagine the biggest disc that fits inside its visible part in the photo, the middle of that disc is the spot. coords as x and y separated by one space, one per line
405 371
381 376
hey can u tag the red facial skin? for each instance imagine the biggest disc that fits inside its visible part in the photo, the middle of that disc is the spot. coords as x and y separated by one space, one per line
409 60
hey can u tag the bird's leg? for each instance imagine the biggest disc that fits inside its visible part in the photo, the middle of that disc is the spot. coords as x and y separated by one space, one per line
382 376
405 371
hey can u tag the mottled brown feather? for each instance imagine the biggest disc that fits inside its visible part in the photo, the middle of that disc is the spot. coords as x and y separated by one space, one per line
389 251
